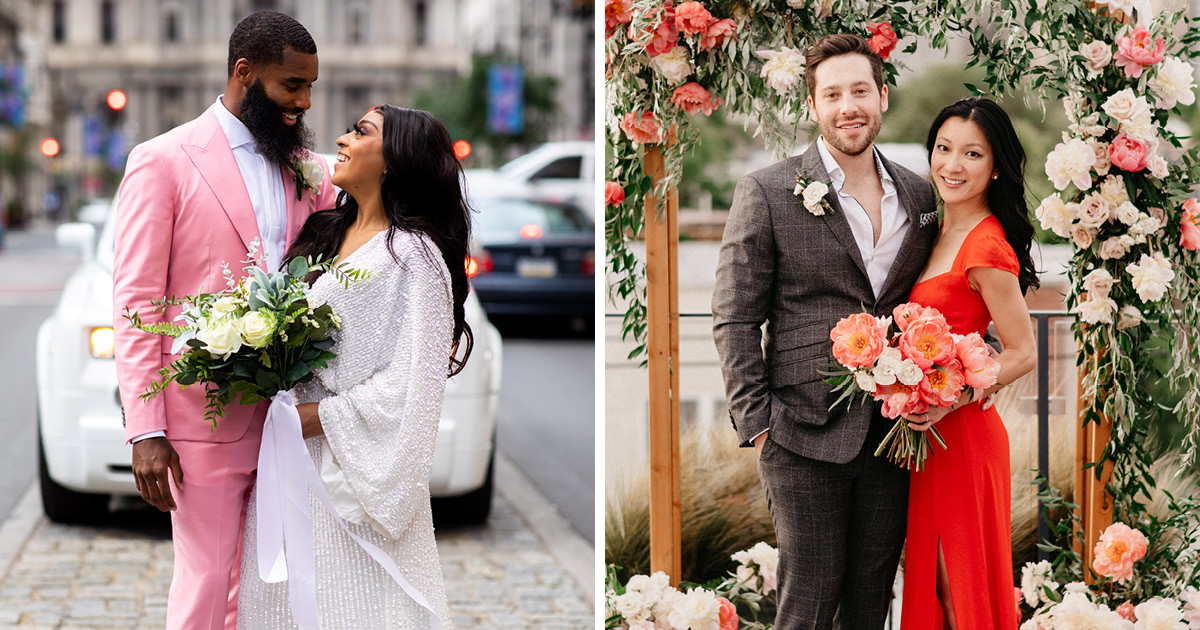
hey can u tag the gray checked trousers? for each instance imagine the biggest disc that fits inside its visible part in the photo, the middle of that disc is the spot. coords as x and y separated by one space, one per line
840 529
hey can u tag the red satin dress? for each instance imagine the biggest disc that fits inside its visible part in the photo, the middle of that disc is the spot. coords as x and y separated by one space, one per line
962 498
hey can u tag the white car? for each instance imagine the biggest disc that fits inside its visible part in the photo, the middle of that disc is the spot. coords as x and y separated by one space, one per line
556 171
83 455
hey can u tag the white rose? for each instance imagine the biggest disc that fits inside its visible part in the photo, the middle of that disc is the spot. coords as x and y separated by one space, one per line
1074 611
885 371
225 305
1083 236
1113 190
220 337
696 610
256 328
1088 126
1151 276
1112 248
1076 588
631 606
310 170
798 190
1097 310
1071 163
1055 216
814 193
642 624
1127 213
1172 83
910 373
1159 614
1157 165
1094 211
1101 150
675 65
782 69
1129 317
1132 111
1098 283
1096 56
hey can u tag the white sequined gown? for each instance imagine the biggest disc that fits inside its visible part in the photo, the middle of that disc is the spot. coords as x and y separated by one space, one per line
380 402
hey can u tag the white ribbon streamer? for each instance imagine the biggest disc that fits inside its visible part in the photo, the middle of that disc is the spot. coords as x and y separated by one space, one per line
285 475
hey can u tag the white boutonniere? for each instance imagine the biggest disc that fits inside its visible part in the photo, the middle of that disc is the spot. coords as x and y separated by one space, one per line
309 173
813 195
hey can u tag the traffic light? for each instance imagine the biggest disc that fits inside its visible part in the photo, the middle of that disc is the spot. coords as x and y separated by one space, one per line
116 100
462 149
50 147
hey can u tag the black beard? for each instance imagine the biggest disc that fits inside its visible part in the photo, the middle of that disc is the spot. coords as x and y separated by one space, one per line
274 140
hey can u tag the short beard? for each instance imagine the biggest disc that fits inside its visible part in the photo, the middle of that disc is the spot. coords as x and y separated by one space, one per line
829 132
274 140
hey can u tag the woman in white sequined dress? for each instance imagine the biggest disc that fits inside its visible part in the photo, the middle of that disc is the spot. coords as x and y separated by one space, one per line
370 418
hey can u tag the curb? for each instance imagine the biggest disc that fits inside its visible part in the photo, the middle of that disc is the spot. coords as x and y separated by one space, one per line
569 548
18 526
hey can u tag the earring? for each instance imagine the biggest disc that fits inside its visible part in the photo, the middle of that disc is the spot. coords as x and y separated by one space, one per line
995 176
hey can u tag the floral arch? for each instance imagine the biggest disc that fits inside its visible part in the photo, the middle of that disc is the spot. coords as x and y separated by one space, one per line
1120 70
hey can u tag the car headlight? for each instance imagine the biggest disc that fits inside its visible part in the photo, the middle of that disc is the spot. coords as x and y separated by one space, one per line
101 341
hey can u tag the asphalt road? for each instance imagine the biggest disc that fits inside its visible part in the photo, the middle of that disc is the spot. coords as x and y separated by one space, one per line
546 411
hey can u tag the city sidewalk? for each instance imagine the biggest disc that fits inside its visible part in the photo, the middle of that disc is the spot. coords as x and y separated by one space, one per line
526 568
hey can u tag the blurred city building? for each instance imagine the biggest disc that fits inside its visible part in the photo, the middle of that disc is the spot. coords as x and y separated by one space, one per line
64 58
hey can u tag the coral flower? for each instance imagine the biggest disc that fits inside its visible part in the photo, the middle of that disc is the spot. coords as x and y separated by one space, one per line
1119 547
613 194
883 38
980 370
901 400
1189 237
717 33
616 12
661 38
641 128
942 385
727 614
692 98
857 340
1126 611
910 312
1138 51
692 18
1128 153
927 342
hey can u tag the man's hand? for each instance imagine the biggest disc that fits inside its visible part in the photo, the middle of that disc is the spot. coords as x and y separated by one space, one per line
153 460
759 441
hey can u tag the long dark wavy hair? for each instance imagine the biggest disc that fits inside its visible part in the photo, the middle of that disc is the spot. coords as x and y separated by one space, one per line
422 193
1006 193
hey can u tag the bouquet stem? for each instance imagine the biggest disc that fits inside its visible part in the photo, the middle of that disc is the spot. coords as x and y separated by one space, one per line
908 448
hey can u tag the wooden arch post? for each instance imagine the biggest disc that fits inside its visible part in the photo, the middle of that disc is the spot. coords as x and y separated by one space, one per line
662 341
1095 511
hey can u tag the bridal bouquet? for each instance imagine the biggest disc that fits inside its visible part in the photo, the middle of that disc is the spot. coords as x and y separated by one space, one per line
909 361
256 338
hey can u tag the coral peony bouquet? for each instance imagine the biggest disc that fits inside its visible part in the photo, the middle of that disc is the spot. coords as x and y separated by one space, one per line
256 338
910 361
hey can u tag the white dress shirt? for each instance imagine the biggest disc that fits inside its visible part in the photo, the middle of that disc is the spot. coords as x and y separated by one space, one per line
877 256
264 183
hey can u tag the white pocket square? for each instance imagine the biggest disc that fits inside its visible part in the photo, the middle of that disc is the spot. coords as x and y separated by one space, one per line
927 218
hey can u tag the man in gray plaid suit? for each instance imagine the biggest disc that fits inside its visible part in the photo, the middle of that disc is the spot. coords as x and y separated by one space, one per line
839 511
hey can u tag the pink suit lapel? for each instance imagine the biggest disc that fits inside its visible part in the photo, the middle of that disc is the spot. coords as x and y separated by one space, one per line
219 169
297 209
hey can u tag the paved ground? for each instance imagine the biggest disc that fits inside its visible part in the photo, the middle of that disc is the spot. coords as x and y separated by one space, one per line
526 568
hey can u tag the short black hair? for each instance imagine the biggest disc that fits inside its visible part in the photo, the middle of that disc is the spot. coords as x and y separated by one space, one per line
263 36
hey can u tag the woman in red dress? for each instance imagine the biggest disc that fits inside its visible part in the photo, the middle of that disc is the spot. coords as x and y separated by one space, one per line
958 556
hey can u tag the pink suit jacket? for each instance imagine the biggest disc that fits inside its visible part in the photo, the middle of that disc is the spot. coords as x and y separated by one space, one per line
183 211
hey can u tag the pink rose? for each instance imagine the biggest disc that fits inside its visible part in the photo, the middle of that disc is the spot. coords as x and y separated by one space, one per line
641 128
942 385
1137 51
613 194
692 18
927 343
717 33
661 38
1083 236
1126 611
727 613
692 98
616 12
857 340
910 312
901 400
1189 238
1119 547
1128 153
980 370
883 38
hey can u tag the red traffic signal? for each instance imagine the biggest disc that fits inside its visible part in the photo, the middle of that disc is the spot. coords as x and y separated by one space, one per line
50 147
116 100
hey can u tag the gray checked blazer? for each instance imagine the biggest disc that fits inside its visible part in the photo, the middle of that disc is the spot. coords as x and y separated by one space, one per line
800 274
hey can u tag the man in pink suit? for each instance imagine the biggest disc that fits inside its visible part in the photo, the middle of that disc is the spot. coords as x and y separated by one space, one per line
192 199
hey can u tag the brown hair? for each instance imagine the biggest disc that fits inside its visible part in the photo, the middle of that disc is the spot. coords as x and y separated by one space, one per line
834 46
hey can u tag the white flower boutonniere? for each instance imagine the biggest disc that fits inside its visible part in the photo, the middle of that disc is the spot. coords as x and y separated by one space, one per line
309 174
813 194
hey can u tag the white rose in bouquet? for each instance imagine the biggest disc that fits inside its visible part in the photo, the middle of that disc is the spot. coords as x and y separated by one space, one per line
697 610
675 65
910 373
1115 247
865 381
1172 83
632 606
1129 317
220 337
1083 236
1132 112
1094 211
1113 190
1127 213
1159 614
813 195
225 305
1096 56
1103 163
1098 283
256 327
782 69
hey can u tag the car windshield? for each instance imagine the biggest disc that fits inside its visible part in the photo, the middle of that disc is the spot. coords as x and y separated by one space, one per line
107 239
519 164
502 219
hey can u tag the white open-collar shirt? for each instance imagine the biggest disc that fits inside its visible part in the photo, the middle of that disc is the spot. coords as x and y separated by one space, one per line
877 256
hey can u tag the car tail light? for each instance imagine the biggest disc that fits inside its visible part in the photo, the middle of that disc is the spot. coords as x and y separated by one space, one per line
479 264
531 231
101 341
587 264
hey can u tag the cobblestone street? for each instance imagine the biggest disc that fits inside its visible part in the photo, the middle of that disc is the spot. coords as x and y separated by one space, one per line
502 576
